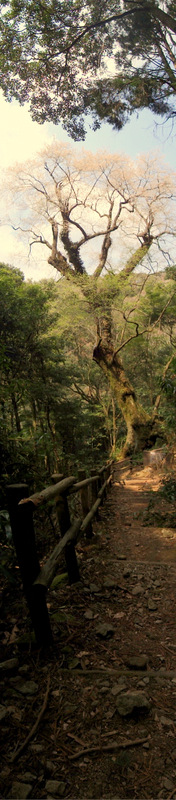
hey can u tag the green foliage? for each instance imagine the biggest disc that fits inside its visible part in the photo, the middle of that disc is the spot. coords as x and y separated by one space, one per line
45 47
6 552
52 405
167 493
59 579
168 489
27 357
113 100
63 616
56 407
5 528
171 272
158 293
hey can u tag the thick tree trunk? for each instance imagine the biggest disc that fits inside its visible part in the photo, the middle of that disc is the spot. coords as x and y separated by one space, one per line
141 429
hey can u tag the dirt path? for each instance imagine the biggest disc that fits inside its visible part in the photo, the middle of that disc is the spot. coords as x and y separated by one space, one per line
122 611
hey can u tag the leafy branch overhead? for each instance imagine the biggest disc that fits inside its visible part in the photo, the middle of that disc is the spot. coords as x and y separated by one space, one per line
72 59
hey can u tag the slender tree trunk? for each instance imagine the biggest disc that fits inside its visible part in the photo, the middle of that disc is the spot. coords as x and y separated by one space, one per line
113 426
53 435
106 409
141 432
34 430
158 398
34 414
15 409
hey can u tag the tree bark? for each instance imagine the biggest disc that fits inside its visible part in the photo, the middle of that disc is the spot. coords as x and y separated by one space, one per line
142 430
113 426
15 408
158 398
165 18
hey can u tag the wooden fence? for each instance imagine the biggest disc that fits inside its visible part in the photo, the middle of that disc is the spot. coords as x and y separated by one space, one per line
35 580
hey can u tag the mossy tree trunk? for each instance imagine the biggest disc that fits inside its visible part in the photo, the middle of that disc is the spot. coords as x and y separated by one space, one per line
142 430
94 201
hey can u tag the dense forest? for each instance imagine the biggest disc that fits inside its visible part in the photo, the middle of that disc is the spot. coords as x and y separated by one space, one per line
87 359
88 354
58 410
88 385
55 411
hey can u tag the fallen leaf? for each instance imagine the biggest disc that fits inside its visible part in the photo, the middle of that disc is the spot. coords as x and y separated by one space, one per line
83 653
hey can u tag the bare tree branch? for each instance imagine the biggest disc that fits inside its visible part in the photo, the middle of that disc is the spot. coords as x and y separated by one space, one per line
158 398
146 330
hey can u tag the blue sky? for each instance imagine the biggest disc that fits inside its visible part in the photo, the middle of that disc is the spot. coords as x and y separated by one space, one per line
21 138
142 134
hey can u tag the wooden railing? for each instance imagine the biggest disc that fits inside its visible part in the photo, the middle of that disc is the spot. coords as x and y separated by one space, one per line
35 580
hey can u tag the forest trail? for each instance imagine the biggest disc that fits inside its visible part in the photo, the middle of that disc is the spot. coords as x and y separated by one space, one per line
117 637
154 542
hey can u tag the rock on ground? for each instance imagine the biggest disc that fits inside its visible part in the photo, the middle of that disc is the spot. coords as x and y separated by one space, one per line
20 790
131 702
55 787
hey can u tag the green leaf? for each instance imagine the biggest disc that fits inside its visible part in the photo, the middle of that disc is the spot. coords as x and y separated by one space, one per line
59 579
74 663
61 616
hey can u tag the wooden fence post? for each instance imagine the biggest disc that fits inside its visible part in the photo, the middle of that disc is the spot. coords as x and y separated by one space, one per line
100 483
63 515
56 477
104 479
85 502
94 493
21 520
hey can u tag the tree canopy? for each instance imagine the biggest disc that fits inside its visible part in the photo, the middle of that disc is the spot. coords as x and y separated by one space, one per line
69 59
92 211
82 210
50 396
